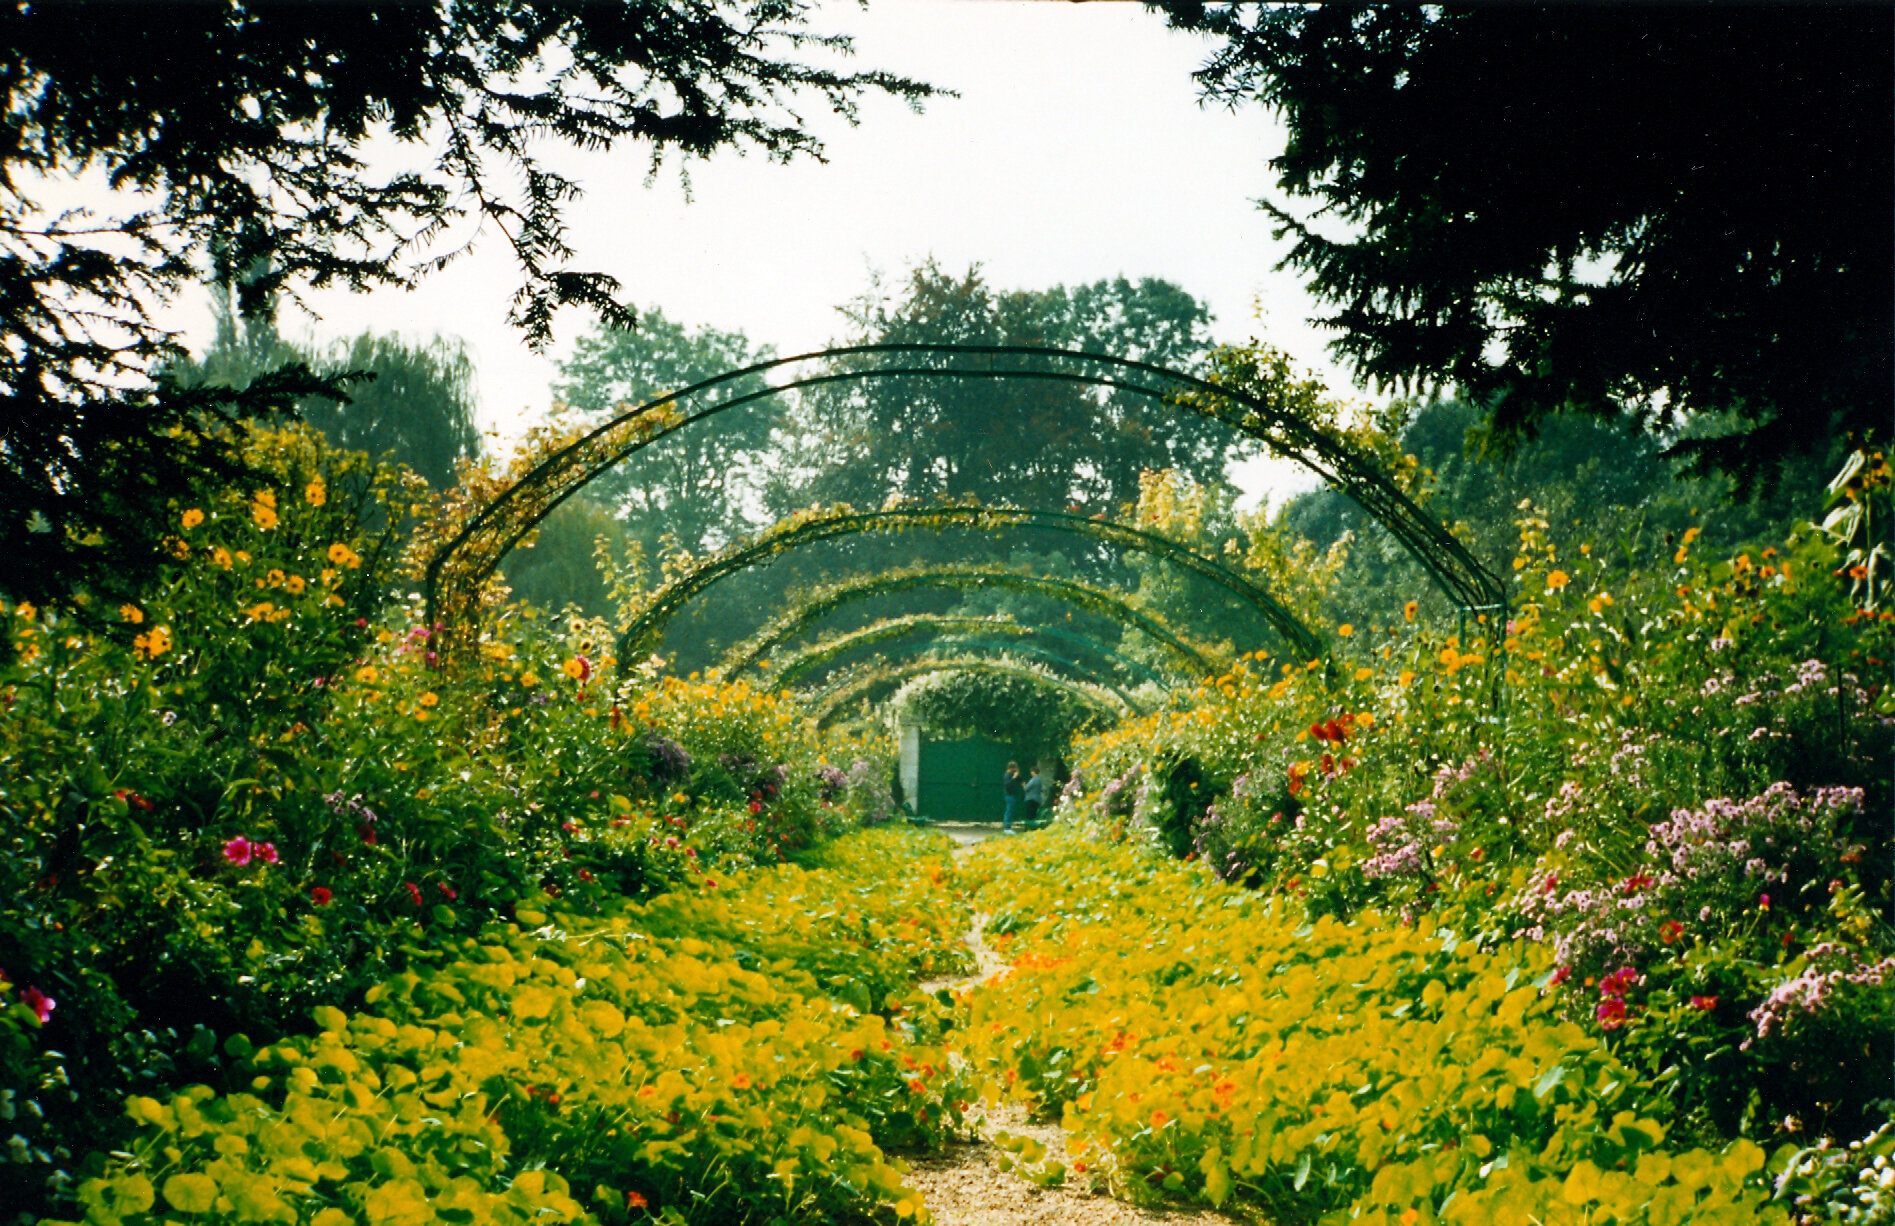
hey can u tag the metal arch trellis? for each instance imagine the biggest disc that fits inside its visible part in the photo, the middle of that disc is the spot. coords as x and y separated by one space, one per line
826 707
963 630
456 573
828 599
1070 669
829 524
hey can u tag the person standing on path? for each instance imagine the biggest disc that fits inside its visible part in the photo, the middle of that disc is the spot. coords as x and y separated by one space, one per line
1032 792
1012 790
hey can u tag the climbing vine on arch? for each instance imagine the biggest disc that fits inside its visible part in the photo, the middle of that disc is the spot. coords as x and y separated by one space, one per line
832 523
963 629
1254 401
830 705
819 602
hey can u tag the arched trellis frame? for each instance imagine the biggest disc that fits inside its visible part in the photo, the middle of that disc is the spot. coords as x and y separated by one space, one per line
458 571
963 629
828 707
969 646
834 523
828 598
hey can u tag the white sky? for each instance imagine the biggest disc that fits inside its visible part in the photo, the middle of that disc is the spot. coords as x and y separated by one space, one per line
1076 151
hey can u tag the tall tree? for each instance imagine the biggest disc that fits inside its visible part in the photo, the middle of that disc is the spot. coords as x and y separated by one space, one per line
241 126
1026 441
411 403
1652 210
698 485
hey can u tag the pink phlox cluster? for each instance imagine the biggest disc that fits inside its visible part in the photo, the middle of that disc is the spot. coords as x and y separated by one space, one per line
1402 847
1730 839
1828 967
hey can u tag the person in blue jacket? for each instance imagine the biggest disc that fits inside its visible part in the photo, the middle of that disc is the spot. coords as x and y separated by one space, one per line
1013 791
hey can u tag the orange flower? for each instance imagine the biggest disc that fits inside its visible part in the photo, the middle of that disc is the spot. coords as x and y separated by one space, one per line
193 517
636 1200
1409 610
741 1081
1556 580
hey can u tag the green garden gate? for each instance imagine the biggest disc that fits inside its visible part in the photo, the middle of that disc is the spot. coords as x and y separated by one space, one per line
953 781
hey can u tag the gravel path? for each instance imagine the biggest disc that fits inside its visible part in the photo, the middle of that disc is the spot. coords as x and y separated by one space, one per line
964 1186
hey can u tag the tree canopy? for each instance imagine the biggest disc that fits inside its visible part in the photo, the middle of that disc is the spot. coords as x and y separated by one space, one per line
1024 441
237 133
693 486
1654 210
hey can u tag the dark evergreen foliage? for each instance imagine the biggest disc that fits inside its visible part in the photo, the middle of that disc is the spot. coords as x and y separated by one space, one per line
1651 209
243 125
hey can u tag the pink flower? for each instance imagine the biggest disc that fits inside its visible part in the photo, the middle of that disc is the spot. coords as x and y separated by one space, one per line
41 1004
239 850
1611 1012
1763 903
322 896
756 806
1706 1003
266 852
1562 975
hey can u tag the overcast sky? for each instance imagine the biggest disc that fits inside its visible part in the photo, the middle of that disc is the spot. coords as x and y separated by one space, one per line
1077 150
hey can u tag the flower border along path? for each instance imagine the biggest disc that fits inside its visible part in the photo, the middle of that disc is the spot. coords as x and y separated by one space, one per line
743 1054
1000 1177
1202 1043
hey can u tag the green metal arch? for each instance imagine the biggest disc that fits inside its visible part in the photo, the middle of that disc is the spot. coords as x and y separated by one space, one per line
861 687
1003 649
827 600
457 570
828 650
668 600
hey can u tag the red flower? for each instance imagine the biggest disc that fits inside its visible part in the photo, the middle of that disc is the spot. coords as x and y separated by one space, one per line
636 1200
41 1004
756 806
1319 732
266 852
1611 1012
709 884
1336 732
1705 1003
1619 980
238 851
1561 975
446 889
1636 882
414 891
322 896
1670 931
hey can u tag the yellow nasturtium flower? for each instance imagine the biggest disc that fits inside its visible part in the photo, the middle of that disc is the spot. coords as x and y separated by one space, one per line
131 613
1556 580
263 509
154 644
193 517
1409 610
315 493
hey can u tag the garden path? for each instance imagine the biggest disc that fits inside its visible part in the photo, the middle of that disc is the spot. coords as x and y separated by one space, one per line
963 1184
